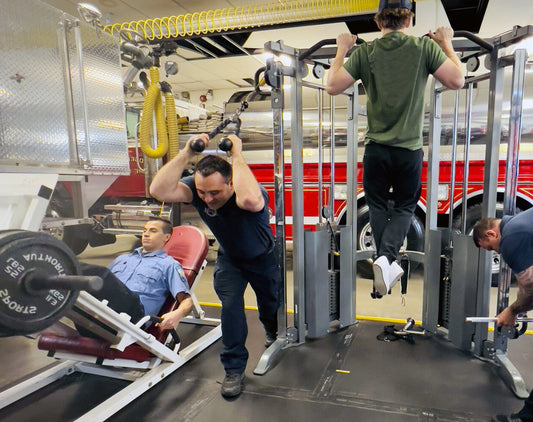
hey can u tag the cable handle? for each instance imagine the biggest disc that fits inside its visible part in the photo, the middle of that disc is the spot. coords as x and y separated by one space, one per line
225 144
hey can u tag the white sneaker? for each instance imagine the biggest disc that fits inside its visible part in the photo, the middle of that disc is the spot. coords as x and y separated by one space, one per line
381 268
395 274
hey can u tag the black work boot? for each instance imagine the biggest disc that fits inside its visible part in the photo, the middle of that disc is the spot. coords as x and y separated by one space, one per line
270 338
232 385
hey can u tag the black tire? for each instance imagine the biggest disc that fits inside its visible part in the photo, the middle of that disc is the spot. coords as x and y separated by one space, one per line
414 240
76 237
473 214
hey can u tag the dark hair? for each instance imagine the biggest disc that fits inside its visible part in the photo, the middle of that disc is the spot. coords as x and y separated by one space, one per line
211 164
166 225
481 227
393 18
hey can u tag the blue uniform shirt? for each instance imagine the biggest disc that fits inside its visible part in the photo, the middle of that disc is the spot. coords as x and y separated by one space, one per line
152 276
516 244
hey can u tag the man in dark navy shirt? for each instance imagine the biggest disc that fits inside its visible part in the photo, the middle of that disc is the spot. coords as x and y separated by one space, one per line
235 207
512 237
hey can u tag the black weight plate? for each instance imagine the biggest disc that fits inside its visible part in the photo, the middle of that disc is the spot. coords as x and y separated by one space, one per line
13 234
21 252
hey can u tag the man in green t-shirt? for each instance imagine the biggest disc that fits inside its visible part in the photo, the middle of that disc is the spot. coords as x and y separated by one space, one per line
394 70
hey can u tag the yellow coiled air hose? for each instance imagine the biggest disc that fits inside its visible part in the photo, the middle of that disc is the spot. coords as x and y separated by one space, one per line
153 104
238 18
172 121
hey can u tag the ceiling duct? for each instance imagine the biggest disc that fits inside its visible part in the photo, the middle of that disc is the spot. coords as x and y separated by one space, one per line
465 15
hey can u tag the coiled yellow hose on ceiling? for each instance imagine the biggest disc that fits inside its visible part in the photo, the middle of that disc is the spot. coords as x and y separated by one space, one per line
153 104
172 125
253 16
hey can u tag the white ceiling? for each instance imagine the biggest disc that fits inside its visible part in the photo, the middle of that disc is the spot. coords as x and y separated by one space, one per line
198 76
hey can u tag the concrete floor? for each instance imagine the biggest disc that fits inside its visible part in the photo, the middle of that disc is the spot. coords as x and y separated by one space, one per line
379 381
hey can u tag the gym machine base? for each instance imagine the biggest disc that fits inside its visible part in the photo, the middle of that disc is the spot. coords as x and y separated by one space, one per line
457 277
323 275
132 354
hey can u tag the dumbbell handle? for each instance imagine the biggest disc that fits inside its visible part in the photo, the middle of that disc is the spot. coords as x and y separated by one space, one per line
36 281
198 145
225 144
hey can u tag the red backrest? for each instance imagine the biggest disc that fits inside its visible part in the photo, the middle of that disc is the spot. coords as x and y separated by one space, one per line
189 246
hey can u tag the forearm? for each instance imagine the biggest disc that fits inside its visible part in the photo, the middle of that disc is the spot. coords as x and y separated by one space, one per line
333 80
184 308
524 300
165 182
171 320
338 61
247 191
447 48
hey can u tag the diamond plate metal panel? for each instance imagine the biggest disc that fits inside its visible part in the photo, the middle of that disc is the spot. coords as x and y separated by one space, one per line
33 120
98 96
60 85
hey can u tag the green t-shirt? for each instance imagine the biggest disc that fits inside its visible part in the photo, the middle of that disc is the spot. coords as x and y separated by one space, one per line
394 71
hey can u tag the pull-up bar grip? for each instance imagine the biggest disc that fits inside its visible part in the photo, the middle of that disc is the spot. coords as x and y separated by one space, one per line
320 44
472 37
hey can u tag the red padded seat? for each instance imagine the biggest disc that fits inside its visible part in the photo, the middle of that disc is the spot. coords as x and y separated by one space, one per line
189 246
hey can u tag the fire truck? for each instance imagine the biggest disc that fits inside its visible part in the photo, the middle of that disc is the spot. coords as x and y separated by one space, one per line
126 204
73 129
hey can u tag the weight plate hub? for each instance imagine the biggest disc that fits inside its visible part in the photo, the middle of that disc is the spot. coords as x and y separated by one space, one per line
22 252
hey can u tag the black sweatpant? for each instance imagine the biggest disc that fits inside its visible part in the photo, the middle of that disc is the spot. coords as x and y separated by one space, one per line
119 297
391 180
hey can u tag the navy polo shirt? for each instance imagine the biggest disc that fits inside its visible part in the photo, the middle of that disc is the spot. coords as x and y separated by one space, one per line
241 234
516 244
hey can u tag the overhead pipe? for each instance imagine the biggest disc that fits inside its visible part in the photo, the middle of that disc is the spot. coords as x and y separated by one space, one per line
245 17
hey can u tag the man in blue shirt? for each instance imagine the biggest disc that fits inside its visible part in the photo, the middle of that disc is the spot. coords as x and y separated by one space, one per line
512 237
394 70
138 283
235 207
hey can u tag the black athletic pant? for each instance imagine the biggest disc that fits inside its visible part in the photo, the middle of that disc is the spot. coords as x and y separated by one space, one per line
119 297
231 276
386 167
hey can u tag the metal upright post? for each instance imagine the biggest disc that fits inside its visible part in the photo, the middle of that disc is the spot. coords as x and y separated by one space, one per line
511 176
466 158
453 158
320 102
507 370
494 129
277 104
348 265
297 201
432 243
331 199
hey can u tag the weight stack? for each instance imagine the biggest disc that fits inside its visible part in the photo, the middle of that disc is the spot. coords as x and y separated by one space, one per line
334 277
445 288
463 292
317 282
